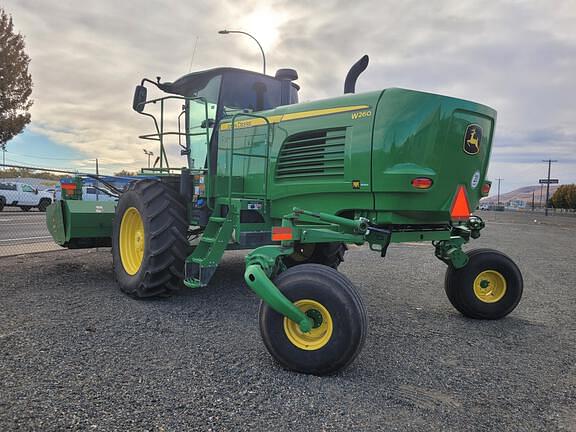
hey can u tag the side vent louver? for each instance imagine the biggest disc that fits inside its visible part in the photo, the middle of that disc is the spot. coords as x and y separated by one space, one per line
312 154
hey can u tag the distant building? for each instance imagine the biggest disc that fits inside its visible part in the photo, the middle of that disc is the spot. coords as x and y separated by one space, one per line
517 203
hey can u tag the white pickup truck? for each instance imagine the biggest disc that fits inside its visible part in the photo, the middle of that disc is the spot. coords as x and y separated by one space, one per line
14 194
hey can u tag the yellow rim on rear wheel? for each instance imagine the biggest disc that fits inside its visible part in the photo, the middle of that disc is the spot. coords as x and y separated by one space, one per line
131 241
321 331
489 286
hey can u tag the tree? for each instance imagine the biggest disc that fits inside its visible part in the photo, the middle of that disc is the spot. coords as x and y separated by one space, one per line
125 173
15 82
564 197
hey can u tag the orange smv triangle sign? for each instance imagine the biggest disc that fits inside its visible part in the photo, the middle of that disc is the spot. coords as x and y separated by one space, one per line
460 207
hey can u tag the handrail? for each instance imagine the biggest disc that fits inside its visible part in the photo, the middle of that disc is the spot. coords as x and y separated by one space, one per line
159 135
231 153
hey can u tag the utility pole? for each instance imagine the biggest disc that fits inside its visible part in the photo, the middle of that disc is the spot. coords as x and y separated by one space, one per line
97 182
3 156
548 184
541 195
533 199
499 180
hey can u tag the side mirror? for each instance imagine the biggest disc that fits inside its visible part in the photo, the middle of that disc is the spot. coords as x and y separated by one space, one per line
210 123
36 191
139 98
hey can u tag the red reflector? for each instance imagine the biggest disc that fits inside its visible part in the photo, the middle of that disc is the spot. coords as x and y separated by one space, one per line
486 189
281 233
422 183
460 207
68 186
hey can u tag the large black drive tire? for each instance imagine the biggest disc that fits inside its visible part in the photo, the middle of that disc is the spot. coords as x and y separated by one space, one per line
328 254
345 322
163 220
43 205
489 287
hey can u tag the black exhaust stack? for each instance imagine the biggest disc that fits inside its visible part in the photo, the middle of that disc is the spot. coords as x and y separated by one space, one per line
353 74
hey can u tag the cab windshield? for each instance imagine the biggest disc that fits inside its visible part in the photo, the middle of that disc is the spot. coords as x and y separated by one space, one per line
200 121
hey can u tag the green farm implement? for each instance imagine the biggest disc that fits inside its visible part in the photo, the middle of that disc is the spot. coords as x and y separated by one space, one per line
295 183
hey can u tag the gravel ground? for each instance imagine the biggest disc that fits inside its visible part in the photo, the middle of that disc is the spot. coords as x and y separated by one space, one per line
77 354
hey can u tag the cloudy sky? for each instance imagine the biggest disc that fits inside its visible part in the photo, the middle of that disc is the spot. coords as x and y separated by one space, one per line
516 56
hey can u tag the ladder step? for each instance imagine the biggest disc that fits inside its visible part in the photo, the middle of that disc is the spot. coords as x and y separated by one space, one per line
197 260
217 219
193 283
208 239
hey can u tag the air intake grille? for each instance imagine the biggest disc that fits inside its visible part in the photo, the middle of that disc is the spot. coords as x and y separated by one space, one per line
312 154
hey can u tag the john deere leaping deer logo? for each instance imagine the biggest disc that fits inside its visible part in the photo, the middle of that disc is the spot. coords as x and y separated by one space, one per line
472 139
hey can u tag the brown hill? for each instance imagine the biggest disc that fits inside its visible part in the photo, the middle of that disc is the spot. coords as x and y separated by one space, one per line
522 194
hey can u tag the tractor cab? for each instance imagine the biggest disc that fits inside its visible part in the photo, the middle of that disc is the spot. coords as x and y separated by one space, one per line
206 97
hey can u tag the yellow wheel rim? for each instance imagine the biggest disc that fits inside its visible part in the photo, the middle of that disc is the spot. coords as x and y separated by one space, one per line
490 286
321 331
131 241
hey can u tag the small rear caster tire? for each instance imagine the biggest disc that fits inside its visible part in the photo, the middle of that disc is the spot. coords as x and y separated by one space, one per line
489 287
340 321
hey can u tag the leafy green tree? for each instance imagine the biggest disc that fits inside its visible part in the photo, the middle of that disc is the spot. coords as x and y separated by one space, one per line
15 82
125 173
571 197
564 197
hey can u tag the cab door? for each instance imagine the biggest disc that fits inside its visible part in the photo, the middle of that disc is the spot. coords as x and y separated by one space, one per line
27 195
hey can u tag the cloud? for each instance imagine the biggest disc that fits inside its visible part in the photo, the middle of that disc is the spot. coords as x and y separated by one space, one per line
516 56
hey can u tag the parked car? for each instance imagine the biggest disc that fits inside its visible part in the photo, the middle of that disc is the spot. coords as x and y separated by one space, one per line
90 193
15 194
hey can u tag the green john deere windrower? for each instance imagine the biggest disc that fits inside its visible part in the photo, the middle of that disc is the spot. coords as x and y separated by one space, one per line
297 182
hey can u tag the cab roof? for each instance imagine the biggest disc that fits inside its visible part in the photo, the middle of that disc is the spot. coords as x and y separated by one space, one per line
185 85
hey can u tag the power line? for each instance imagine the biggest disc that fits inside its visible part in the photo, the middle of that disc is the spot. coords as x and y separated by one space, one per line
39 167
43 157
34 166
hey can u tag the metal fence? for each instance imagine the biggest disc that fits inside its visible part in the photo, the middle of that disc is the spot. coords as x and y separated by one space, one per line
23 202
25 193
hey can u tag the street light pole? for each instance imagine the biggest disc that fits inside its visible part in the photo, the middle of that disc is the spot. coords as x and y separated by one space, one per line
255 40
149 153
499 180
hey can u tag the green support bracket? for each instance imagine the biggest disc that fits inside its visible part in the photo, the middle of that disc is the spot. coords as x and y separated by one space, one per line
450 251
356 226
261 264
267 257
264 288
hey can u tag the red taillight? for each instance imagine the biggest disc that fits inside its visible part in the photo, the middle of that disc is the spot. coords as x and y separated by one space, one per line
460 207
485 189
281 233
422 183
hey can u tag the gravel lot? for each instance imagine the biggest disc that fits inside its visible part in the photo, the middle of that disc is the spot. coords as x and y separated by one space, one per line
77 354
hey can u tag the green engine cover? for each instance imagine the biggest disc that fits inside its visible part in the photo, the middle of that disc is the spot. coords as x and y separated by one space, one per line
357 155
